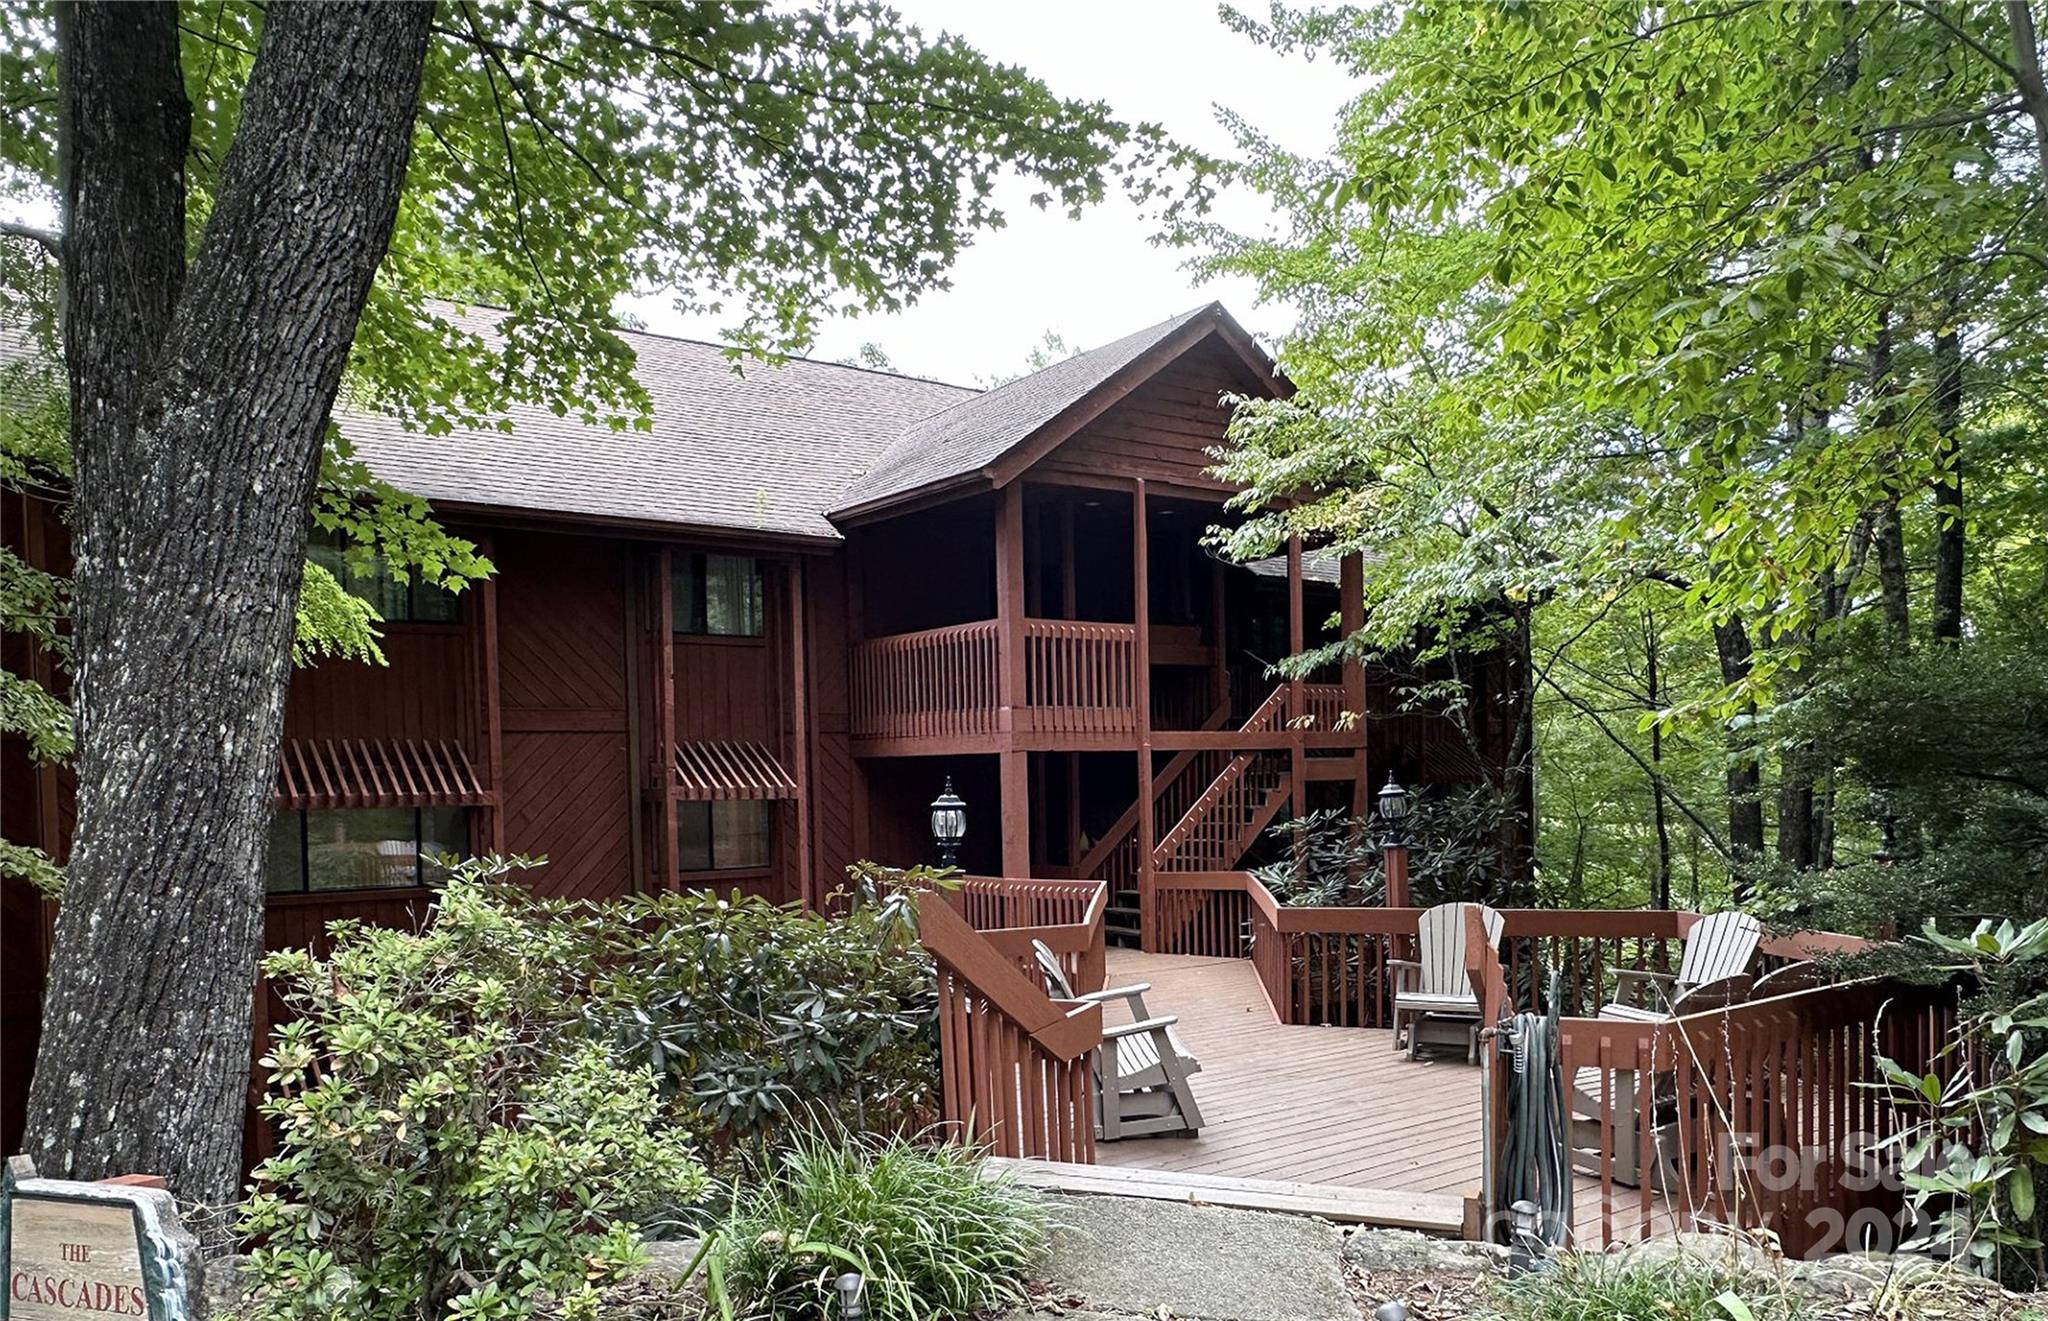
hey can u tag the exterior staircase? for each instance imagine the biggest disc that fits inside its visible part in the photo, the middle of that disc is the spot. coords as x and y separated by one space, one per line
1217 803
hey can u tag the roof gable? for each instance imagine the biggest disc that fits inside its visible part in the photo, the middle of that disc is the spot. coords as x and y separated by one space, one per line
990 438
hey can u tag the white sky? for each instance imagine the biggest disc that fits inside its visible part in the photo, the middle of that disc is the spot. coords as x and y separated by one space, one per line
1096 278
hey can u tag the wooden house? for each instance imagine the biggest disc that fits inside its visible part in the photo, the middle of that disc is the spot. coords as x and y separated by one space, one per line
746 648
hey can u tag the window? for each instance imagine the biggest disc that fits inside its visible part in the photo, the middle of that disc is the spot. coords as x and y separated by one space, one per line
719 595
364 848
411 601
726 835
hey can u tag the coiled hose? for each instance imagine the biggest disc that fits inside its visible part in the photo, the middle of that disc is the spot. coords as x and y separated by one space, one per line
1535 1161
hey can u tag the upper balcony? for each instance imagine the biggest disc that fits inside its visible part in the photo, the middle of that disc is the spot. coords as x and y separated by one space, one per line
945 683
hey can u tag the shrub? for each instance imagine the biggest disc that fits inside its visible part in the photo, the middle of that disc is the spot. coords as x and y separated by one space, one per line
473 1117
932 1237
753 1014
451 1143
1974 1141
1584 1286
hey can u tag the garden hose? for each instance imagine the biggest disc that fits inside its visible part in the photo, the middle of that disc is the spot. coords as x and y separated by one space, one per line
1535 1165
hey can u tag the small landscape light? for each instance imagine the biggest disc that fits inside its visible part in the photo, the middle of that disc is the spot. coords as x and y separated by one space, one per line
949 824
849 1287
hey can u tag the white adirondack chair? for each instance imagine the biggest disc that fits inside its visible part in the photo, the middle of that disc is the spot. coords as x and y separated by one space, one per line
1719 946
1435 985
1142 1071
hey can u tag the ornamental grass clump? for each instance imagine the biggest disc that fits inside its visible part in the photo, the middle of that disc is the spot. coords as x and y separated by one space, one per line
1586 1286
932 1237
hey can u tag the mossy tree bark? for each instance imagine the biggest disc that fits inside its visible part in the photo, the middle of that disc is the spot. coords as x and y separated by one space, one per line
199 399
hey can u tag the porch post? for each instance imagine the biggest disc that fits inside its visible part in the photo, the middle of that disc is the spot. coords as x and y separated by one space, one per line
1297 757
494 723
1016 786
1351 617
1219 657
1141 691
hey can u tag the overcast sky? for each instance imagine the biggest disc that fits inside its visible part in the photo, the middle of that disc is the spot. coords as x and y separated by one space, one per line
1096 278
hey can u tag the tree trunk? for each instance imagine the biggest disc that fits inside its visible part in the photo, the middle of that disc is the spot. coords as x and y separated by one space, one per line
199 404
1887 532
1744 781
1660 881
1948 488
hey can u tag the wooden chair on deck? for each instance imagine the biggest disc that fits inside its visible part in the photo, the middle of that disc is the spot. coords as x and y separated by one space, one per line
1142 1072
1719 946
1646 1146
1435 985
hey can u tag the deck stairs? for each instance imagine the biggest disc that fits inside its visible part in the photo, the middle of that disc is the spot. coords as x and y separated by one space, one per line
1222 801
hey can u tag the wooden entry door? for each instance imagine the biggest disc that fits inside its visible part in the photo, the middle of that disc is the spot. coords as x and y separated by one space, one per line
562 630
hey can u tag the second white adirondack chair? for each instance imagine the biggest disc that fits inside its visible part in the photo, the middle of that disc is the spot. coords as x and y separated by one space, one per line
1435 985
1719 946
1142 1071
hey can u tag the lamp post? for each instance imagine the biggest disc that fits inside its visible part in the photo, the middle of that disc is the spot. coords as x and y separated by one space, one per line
949 824
1394 852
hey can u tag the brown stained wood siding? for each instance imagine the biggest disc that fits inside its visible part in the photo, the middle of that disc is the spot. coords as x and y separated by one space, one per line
421 693
831 768
1162 431
726 688
562 667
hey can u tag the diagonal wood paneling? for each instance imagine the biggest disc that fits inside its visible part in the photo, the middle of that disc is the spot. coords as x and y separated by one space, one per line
566 798
561 622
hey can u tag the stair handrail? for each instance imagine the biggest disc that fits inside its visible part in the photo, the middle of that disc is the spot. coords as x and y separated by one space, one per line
1115 837
1260 721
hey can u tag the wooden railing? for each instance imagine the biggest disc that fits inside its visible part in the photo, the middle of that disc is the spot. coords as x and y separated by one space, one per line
1323 704
1016 1065
1080 677
1215 820
1066 916
1759 1116
941 682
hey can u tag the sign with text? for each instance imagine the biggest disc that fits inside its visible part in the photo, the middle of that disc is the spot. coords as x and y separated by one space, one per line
74 1251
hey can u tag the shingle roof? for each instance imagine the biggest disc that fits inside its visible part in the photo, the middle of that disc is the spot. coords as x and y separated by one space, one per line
767 450
977 431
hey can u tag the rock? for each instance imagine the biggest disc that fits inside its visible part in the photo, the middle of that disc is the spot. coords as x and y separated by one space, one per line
1854 1276
671 1257
1729 1253
668 1263
1407 1250
1128 1254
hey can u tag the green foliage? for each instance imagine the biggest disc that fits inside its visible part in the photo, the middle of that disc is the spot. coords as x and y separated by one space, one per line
451 1144
933 1237
1585 1286
1639 313
1976 1141
473 1117
1951 742
756 1016
1454 852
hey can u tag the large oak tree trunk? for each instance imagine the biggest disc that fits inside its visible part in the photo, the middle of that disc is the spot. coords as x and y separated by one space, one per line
199 401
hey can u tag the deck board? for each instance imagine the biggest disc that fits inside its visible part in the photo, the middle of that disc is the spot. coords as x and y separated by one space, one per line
1315 1105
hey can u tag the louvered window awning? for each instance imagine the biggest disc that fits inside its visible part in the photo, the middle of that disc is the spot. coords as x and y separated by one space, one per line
729 768
331 773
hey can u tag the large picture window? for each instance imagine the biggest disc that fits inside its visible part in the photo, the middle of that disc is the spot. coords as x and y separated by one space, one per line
718 595
362 848
730 834
410 601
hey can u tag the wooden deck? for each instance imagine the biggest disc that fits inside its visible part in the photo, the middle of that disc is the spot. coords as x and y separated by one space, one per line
1325 1106
1321 1105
